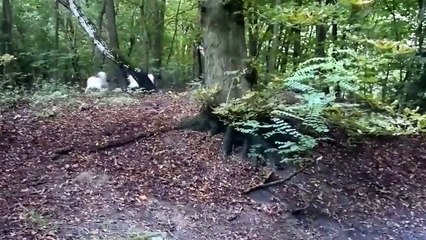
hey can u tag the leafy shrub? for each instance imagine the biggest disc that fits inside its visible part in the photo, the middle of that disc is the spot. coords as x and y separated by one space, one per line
53 91
297 106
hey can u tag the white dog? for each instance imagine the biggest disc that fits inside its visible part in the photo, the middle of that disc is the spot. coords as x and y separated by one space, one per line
97 82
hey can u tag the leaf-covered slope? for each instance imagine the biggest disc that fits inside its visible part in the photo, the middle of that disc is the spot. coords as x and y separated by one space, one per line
178 181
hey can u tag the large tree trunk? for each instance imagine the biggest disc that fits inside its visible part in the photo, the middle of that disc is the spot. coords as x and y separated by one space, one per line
225 56
226 67
224 47
321 37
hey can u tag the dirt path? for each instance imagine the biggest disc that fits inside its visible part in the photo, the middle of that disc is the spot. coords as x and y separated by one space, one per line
176 185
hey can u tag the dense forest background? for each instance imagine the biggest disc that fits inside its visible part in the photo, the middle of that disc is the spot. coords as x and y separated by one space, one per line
49 46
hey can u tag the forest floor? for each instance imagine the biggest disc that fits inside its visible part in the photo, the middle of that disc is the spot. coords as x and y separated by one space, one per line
59 181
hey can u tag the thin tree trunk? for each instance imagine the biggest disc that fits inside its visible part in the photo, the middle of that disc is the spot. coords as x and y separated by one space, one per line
297 47
6 28
321 36
102 46
253 35
197 71
272 55
420 31
158 8
286 50
111 26
75 63
6 38
98 57
89 28
175 32
57 19
407 81
132 39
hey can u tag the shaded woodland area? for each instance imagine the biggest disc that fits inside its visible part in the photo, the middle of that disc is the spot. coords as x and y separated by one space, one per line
261 120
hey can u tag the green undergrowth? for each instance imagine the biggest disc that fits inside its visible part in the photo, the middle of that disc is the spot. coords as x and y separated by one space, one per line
297 105
114 99
48 98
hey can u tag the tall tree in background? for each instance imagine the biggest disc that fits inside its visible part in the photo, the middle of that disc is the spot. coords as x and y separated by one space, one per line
6 28
152 16
6 36
273 49
114 44
98 57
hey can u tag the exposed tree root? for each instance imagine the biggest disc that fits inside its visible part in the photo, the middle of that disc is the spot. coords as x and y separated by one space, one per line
207 121
123 142
120 143
61 151
113 144
276 182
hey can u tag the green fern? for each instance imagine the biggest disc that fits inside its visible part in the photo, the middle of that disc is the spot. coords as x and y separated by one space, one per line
309 111
305 122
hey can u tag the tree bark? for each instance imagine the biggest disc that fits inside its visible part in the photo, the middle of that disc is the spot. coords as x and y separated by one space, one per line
6 38
198 52
253 35
225 56
152 20
272 56
226 67
321 36
98 57
174 32
75 61
224 47
57 19
157 37
6 28
111 26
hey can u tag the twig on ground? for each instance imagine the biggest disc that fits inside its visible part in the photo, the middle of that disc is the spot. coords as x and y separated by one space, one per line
236 214
269 184
113 144
61 151
123 142
120 143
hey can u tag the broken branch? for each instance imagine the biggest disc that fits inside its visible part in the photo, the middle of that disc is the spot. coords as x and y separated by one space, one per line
265 185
